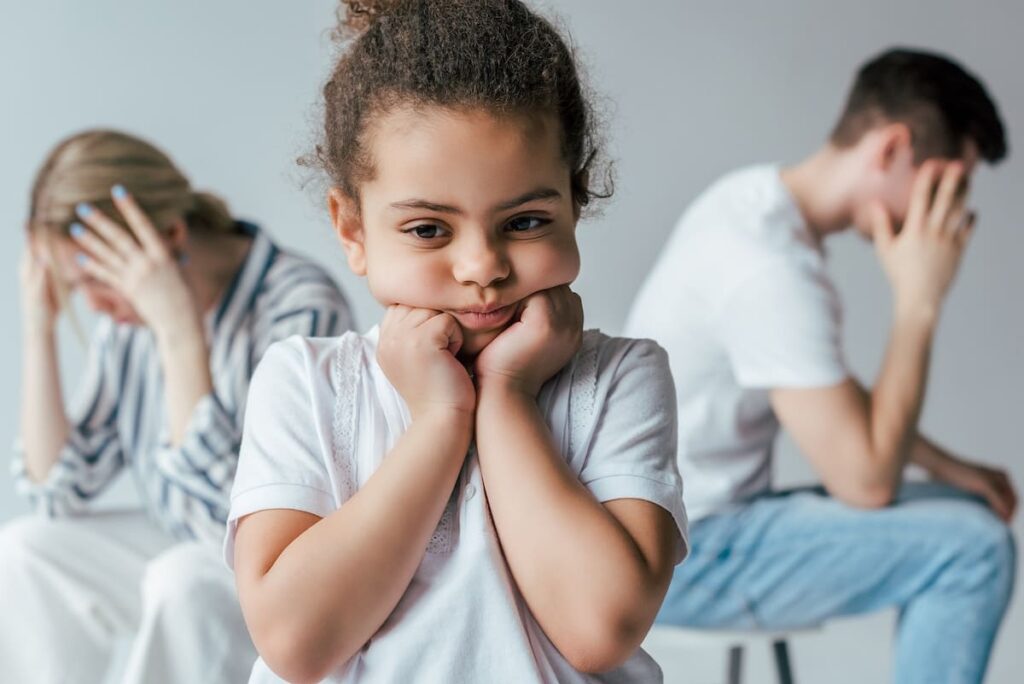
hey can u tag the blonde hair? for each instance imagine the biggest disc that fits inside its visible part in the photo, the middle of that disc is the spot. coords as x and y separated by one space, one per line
85 166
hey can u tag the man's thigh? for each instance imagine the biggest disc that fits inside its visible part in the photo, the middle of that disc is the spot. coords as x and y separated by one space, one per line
800 557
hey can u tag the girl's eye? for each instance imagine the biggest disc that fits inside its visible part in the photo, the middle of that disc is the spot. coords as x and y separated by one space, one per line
426 231
521 224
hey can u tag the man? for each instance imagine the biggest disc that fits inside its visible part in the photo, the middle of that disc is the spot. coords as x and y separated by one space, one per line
742 302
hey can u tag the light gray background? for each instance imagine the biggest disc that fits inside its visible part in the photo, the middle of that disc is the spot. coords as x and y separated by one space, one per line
693 89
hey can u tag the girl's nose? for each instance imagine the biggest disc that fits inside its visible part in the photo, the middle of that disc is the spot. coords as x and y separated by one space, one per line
481 264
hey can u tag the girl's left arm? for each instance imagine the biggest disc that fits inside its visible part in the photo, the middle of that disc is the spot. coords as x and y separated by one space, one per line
593 575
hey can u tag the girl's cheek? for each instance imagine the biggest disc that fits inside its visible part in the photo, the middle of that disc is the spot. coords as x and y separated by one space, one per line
414 281
556 265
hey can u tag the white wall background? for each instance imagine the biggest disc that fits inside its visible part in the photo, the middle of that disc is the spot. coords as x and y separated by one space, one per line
694 90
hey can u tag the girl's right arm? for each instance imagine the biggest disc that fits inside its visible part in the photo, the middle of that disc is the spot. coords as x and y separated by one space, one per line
314 590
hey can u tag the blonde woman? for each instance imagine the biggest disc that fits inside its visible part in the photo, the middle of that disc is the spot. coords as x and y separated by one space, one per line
190 298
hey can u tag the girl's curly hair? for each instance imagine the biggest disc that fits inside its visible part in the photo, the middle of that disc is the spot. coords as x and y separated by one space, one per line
493 54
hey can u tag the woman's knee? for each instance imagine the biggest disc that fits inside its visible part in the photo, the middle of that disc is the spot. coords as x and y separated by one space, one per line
184 579
26 538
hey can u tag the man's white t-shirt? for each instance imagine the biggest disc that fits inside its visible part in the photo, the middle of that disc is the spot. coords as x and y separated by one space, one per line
321 416
741 301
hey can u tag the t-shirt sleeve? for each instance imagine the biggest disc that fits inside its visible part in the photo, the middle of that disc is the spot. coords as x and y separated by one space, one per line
281 462
781 328
632 448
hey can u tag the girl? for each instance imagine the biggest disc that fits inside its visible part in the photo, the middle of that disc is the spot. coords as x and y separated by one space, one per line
190 298
475 491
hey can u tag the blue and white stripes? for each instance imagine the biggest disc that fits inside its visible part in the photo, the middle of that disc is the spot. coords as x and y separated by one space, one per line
119 417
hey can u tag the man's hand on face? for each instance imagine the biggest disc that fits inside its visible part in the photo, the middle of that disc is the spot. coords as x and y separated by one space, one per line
921 260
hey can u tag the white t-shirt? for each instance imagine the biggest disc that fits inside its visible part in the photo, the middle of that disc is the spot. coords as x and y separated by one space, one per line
741 301
321 417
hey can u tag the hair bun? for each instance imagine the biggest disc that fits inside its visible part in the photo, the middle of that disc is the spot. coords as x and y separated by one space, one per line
356 16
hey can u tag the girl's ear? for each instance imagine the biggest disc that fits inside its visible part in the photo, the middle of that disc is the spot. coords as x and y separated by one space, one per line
349 227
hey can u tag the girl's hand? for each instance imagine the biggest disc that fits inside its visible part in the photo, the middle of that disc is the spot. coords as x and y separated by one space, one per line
531 350
39 304
138 264
417 351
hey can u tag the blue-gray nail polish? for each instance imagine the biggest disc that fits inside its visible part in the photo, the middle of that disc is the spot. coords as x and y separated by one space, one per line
81 259
118 191
77 230
83 209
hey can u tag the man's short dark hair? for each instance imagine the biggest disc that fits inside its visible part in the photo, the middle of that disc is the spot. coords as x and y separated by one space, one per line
942 104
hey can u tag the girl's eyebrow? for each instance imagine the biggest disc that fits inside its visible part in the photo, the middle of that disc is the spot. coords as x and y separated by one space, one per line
533 195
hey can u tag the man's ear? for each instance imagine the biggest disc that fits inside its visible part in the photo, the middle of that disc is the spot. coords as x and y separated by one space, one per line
893 143
348 225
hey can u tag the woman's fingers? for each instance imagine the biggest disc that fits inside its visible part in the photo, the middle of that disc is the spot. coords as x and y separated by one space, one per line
107 228
97 248
98 271
137 220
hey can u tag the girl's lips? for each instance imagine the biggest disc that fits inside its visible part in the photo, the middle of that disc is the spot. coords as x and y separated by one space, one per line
477 321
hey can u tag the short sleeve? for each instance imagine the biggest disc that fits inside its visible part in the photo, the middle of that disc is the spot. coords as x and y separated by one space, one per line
281 459
632 448
782 327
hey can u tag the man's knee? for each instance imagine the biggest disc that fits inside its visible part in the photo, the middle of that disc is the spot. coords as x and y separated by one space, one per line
980 540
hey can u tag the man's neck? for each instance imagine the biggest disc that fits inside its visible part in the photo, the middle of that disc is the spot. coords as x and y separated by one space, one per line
821 188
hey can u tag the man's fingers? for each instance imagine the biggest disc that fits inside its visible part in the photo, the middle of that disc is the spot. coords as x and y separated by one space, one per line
964 234
881 226
947 197
921 194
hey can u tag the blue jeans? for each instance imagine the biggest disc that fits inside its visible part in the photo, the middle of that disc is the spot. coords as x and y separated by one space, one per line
797 558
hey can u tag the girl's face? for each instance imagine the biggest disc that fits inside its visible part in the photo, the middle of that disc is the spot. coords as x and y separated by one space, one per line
468 213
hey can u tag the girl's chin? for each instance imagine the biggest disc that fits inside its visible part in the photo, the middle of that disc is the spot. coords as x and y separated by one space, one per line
474 342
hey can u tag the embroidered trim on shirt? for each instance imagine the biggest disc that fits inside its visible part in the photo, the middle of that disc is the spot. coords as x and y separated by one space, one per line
346 377
583 394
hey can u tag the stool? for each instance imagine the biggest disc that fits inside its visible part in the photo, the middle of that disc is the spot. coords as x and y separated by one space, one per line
669 638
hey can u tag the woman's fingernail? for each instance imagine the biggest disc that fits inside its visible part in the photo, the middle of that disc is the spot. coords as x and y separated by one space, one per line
83 209
77 230
81 259
118 191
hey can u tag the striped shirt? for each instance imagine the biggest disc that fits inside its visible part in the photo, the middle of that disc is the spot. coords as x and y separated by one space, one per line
119 417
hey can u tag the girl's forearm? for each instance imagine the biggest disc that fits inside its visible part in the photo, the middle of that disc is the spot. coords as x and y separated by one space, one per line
333 587
549 525
44 424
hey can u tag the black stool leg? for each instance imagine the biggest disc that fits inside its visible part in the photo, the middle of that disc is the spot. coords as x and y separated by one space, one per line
735 674
782 663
